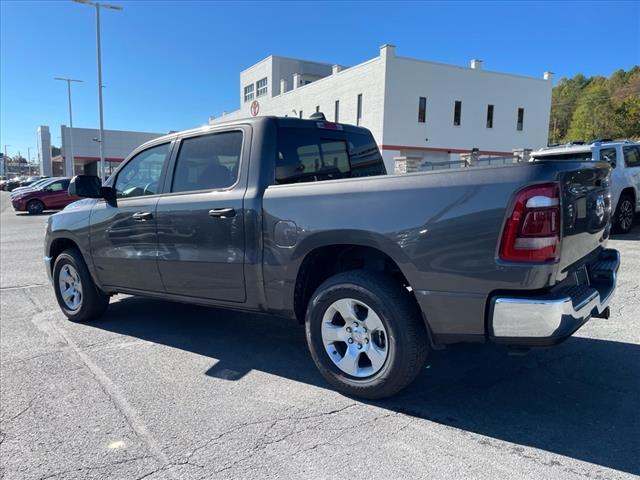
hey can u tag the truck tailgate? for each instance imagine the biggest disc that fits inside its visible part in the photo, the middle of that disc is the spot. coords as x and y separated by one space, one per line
586 207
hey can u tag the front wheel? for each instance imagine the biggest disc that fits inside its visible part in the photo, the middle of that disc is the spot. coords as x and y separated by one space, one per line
78 296
623 218
365 334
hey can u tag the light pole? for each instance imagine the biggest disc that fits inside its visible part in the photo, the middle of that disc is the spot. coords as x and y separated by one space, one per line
5 161
98 6
70 152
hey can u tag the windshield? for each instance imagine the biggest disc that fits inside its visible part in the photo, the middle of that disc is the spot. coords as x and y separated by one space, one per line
40 183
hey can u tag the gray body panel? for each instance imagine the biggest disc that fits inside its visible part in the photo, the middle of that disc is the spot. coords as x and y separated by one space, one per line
442 229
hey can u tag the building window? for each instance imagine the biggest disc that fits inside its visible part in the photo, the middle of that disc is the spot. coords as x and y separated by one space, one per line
359 109
422 110
489 116
520 124
317 108
457 113
336 116
261 87
300 114
248 93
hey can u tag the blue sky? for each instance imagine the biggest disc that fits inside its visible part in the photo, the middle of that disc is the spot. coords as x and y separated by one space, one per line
169 65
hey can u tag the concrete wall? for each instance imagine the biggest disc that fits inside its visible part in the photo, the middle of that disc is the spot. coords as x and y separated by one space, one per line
409 79
391 86
366 78
44 150
117 143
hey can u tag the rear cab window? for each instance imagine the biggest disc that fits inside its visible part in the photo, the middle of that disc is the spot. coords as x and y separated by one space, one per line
316 154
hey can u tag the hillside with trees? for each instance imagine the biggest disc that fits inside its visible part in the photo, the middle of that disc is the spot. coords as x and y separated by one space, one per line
597 107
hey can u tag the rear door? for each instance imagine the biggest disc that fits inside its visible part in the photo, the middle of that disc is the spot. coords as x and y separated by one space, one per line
201 220
124 239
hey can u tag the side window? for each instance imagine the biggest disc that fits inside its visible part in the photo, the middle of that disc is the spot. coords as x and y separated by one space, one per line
208 162
305 155
58 186
141 175
631 156
608 155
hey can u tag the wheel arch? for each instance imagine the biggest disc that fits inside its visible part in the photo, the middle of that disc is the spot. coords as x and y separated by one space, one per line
323 259
63 241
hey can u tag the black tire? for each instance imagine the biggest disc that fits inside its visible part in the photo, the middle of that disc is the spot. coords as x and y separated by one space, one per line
623 217
93 301
35 207
407 340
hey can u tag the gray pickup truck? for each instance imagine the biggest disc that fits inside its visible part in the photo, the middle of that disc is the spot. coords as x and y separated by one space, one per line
298 218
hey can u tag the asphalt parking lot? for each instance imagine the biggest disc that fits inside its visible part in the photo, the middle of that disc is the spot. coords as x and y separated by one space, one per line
158 390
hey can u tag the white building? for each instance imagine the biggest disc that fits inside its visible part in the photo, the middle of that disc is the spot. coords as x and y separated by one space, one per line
86 151
412 107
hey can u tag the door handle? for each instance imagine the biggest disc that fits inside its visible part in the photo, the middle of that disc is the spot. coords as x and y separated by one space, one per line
142 216
222 212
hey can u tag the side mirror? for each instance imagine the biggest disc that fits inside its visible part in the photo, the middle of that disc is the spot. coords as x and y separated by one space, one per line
87 186
613 164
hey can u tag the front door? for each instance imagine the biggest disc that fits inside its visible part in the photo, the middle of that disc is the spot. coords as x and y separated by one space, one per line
124 237
57 195
201 221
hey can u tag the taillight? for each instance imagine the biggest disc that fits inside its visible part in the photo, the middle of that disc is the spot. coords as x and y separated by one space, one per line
532 231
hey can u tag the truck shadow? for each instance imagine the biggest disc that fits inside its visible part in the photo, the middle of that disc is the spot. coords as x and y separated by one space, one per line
578 400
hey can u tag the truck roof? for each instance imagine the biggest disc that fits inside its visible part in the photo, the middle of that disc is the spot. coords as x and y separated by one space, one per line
578 147
291 122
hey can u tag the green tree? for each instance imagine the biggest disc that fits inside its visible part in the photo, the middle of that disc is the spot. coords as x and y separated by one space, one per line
563 103
597 107
594 116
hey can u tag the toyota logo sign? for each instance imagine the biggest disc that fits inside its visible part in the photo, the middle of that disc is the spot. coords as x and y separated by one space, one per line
255 108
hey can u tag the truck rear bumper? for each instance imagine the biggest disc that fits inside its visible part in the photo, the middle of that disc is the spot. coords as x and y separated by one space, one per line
549 319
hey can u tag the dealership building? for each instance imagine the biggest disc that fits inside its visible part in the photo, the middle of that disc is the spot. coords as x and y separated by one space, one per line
86 151
414 108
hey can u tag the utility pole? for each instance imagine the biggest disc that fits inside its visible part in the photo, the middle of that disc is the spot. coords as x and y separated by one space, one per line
70 152
98 6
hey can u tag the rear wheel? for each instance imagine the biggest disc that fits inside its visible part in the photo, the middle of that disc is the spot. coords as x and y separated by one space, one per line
35 207
625 211
365 334
78 296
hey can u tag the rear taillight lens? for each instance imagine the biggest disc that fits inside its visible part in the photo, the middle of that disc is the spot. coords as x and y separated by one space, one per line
532 231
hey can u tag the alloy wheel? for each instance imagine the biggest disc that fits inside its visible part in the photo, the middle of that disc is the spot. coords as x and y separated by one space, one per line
354 337
70 287
625 216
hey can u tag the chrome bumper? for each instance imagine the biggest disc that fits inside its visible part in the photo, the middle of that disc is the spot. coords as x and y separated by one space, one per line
551 318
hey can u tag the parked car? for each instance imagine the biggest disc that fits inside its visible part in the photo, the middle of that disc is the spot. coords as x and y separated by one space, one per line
52 196
29 180
624 157
297 217
13 184
34 186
